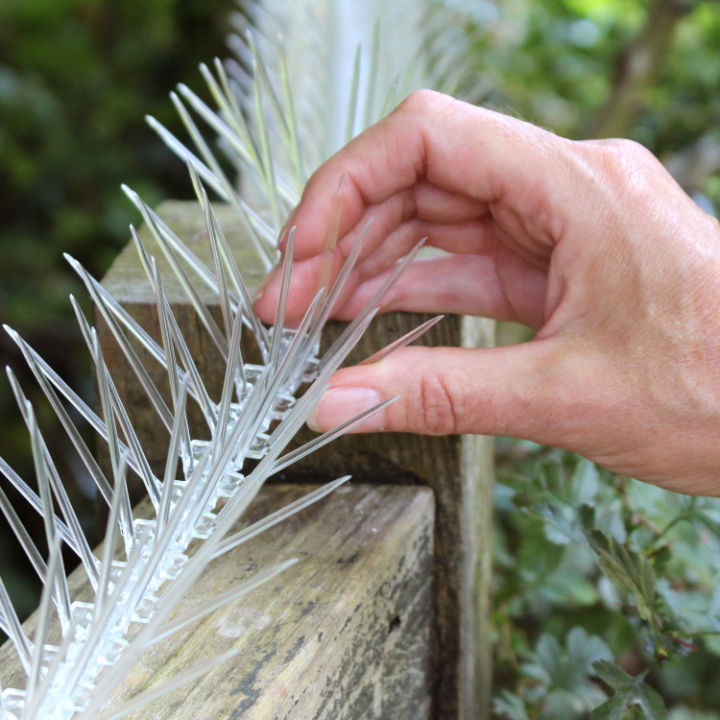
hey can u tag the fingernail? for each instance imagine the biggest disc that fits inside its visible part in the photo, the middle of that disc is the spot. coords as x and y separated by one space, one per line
344 403
261 290
265 284
282 236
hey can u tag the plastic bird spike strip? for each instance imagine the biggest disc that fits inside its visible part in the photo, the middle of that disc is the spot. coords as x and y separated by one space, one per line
267 124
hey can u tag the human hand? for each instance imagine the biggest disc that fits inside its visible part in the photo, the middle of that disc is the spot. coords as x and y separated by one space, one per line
591 243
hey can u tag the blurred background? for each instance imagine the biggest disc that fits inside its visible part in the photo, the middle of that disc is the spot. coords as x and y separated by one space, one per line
76 79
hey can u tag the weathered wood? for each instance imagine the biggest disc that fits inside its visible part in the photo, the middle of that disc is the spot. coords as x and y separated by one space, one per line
458 468
344 634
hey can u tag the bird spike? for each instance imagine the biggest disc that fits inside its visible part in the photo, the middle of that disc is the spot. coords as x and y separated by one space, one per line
269 125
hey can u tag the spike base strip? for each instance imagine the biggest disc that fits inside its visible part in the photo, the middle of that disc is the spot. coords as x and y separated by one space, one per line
65 676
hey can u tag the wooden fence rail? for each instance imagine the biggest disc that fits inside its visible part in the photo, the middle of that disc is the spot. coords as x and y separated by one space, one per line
386 615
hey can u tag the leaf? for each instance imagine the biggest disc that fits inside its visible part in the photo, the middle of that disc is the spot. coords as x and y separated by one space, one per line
630 693
538 556
586 516
567 668
629 570
549 655
612 709
712 525
510 706
583 650
651 703
612 674
570 705
585 483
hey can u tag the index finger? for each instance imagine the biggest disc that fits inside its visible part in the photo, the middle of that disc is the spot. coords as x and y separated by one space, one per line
432 138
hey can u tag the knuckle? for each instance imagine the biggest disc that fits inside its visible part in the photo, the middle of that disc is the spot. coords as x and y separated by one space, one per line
438 411
622 145
714 224
626 155
628 164
418 101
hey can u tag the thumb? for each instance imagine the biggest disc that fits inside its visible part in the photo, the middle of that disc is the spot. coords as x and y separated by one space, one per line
515 391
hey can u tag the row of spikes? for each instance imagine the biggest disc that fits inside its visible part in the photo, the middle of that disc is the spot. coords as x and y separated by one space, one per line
252 146
123 455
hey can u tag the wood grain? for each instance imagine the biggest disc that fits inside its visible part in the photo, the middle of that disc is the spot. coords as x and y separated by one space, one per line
459 469
344 634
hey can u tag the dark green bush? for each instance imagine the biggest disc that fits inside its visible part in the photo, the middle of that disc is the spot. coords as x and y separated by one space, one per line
591 567
76 79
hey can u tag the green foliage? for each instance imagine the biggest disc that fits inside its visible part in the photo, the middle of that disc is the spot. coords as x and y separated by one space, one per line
549 62
577 548
76 79
555 63
627 570
594 567
558 677
629 693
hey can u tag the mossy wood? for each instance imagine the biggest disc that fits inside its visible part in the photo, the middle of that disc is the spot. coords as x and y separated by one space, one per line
459 469
344 634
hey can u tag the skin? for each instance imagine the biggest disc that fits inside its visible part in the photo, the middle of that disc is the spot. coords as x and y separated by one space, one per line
590 243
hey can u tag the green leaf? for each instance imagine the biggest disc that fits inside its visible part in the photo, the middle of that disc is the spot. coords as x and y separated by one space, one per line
630 570
508 705
583 650
569 705
651 703
586 516
612 709
631 693
612 674
568 667
537 556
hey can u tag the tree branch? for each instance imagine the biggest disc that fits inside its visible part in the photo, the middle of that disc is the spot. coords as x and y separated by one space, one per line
637 66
